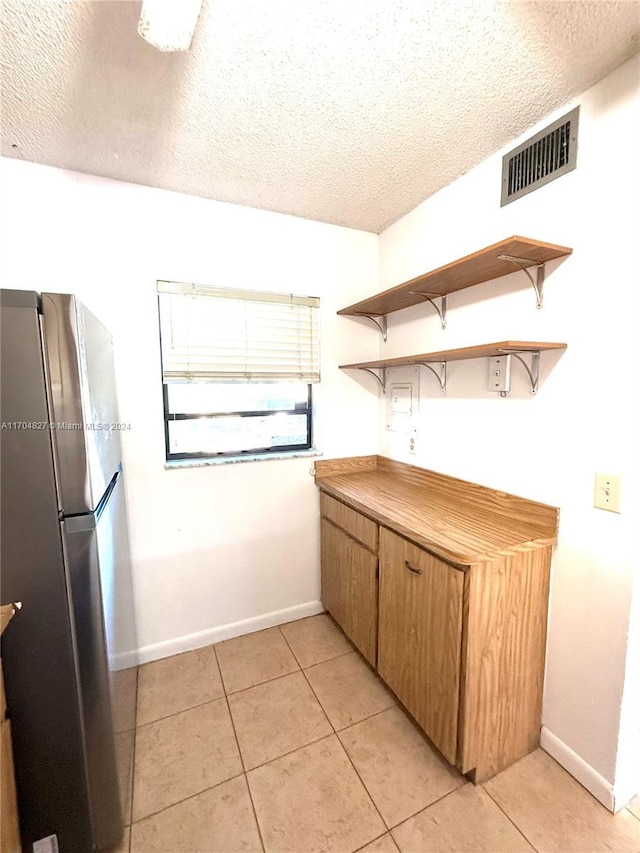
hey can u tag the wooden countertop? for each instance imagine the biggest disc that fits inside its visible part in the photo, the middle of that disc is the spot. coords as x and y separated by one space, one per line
461 522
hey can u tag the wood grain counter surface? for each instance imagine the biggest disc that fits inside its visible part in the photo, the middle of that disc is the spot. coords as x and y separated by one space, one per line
461 522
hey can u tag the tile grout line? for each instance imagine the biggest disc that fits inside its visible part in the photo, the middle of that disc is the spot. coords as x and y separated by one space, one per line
225 692
367 791
133 760
166 717
242 774
217 660
290 752
335 734
365 719
197 793
242 636
244 769
493 800
426 808
352 725
325 660
262 683
334 731
377 838
255 813
190 797
133 770
288 644
304 675
181 711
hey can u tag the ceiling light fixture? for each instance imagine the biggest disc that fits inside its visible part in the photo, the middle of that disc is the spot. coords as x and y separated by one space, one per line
169 25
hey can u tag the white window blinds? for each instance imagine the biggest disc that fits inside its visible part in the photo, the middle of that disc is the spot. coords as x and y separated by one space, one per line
210 334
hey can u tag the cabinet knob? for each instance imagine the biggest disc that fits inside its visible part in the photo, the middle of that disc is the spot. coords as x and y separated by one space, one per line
412 568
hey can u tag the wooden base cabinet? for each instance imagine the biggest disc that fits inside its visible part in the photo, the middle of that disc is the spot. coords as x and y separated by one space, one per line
420 636
503 655
462 647
443 585
350 587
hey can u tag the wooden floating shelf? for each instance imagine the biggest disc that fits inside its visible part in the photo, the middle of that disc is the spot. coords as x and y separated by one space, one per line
426 359
487 264
479 351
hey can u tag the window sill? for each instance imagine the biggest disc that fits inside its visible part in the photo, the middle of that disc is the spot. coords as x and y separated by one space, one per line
232 460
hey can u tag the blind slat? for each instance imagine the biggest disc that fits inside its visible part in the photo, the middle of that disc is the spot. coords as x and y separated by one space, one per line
210 334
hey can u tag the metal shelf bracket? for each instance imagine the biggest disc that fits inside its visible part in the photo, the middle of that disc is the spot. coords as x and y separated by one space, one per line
533 373
382 381
441 377
441 309
524 264
379 321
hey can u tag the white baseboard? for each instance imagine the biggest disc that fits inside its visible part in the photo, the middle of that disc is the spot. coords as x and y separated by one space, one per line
578 768
186 643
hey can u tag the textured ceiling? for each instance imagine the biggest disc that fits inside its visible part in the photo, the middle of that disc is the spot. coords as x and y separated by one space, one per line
345 111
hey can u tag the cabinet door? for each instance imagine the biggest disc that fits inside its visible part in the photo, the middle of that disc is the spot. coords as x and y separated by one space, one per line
350 587
419 645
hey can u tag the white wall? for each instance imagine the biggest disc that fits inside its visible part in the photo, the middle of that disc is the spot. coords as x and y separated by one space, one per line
627 778
217 546
585 417
211 546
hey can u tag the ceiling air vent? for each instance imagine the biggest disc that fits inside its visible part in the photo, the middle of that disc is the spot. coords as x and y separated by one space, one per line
541 159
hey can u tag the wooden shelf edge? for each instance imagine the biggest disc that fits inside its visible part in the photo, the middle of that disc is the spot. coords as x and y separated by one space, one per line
476 268
478 351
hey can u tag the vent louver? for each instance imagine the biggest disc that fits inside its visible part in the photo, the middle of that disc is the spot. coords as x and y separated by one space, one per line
541 159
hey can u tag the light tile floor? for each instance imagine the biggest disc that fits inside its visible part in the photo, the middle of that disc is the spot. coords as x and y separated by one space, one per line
286 740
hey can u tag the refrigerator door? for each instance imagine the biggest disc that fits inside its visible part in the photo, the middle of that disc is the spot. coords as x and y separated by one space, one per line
120 633
38 654
83 402
90 546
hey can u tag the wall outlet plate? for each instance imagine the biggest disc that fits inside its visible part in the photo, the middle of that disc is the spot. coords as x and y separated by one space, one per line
606 494
500 373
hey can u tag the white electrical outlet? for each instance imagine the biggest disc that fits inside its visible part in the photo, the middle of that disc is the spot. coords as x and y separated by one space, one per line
607 492
413 441
500 373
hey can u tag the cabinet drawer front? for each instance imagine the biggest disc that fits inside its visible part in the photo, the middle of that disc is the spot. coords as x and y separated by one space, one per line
420 636
356 525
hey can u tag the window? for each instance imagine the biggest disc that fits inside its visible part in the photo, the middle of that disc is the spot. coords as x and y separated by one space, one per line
237 370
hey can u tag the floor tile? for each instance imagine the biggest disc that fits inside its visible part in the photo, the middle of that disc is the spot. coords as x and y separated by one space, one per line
277 717
386 844
178 683
402 773
124 742
254 659
315 639
312 800
220 820
183 755
558 815
465 821
634 806
348 690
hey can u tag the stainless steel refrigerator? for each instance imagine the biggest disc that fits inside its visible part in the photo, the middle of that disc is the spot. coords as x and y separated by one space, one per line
69 658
